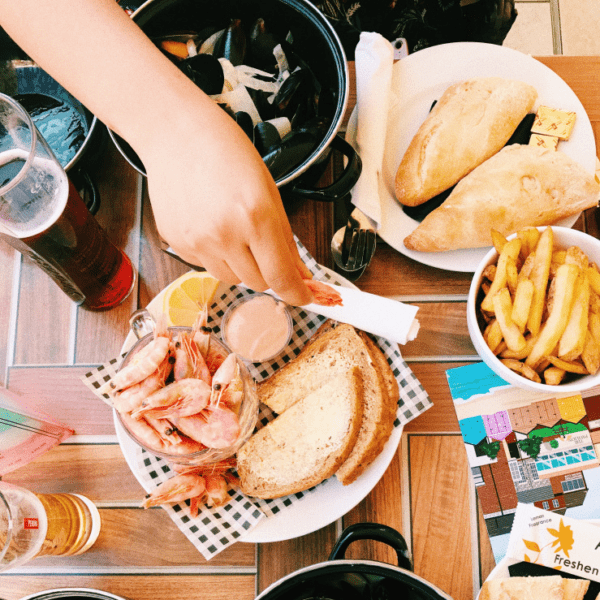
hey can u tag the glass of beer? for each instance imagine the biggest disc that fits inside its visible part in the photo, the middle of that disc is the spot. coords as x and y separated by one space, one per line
43 216
33 525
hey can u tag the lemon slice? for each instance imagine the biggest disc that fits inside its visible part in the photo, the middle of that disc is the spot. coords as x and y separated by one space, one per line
183 297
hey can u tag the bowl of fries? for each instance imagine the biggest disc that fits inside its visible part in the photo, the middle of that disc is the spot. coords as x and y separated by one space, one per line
533 310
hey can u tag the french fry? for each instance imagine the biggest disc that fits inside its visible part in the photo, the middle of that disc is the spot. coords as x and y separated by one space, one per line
572 340
510 332
554 375
522 304
594 302
522 369
509 251
522 354
565 279
512 275
493 335
489 272
568 365
576 256
525 271
498 240
558 257
594 279
529 236
594 326
590 355
539 277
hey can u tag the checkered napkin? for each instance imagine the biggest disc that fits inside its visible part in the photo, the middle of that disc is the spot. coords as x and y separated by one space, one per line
216 528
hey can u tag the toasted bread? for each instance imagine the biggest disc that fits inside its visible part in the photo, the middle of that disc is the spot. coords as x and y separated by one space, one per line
307 443
524 588
339 346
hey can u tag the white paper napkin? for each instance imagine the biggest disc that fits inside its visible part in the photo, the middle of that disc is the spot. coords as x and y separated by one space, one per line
375 314
374 58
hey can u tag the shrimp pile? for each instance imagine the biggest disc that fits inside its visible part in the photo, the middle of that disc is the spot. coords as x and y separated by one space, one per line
179 396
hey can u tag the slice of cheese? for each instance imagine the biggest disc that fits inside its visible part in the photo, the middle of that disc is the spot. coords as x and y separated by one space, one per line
543 141
551 121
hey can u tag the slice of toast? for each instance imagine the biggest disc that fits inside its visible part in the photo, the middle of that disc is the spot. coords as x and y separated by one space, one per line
307 443
338 346
524 588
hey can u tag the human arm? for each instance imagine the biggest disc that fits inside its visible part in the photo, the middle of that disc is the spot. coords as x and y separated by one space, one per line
213 199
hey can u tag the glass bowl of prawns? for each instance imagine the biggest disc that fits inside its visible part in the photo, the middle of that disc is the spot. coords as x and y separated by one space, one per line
182 395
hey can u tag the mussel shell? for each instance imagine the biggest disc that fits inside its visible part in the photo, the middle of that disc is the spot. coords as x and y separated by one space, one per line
244 120
266 136
265 109
205 71
294 149
261 45
232 44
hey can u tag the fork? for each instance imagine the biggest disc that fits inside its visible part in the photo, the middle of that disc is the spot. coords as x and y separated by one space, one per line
354 245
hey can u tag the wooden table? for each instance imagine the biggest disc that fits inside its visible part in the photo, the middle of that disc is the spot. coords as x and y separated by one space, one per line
426 493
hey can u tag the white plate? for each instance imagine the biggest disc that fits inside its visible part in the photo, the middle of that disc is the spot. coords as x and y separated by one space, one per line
500 571
421 78
330 500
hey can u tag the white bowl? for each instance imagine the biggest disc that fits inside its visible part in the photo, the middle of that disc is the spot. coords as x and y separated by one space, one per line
563 238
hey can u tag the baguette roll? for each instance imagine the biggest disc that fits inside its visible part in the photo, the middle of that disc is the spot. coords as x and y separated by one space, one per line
471 122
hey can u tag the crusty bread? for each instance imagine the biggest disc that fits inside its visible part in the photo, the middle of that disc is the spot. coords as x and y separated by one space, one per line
335 346
307 443
518 187
575 589
471 122
524 588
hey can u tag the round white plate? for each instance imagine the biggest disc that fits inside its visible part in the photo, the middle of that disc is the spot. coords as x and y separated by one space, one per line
327 503
500 571
421 78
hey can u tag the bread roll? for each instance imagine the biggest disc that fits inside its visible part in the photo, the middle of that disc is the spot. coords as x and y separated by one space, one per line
471 122
518 187
524 588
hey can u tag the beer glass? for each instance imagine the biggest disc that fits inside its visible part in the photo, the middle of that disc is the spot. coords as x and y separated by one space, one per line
43 216
33 525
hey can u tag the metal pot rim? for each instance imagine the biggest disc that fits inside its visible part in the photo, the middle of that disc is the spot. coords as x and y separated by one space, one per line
320 20
57 593
350 565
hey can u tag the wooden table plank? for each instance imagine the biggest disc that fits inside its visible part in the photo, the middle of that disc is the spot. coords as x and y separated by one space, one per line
132 587
440 513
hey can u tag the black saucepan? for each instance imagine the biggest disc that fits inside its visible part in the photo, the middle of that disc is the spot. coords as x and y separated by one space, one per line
341 579
317 44
73 133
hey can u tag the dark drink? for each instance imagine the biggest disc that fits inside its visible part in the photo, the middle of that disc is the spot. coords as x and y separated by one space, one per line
76 252
43 216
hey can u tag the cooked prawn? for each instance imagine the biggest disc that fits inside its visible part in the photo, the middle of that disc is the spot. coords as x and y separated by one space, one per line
215 427
223 376
217 493
144 432
142 364
131 398
201 331
168 434
323 294
176 489
192 360
178 399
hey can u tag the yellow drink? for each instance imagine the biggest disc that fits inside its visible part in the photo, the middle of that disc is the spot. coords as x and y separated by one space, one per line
73 524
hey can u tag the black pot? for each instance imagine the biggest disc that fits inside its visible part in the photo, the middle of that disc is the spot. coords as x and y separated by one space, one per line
31 80
73 594
315 42
341 579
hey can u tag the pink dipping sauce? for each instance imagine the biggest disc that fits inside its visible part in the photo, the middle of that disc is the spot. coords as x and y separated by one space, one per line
258 329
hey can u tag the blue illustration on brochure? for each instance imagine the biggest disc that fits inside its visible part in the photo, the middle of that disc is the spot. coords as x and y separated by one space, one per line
529 447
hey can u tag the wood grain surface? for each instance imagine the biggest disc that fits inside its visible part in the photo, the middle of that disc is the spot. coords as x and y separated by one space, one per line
426 493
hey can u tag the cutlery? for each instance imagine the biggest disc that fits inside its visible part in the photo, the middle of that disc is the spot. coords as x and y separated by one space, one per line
353 246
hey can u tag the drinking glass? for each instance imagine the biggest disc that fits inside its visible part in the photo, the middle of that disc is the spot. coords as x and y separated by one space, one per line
44 218
33 525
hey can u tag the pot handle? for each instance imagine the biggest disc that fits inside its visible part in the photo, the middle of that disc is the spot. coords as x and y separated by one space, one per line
376 532
346 181
84 182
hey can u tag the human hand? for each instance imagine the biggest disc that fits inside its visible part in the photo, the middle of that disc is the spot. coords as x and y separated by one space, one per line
217 205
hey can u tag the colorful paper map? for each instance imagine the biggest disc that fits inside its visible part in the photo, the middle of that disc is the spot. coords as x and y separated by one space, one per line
529 447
